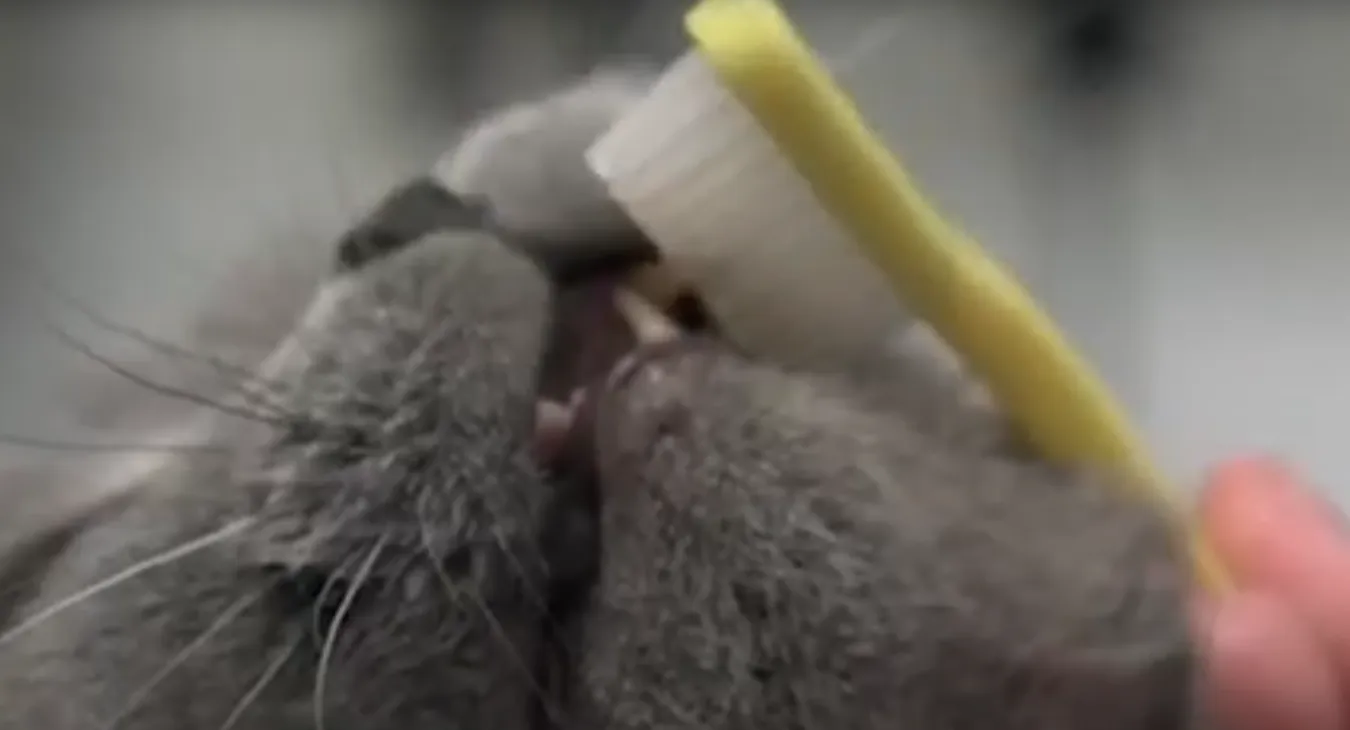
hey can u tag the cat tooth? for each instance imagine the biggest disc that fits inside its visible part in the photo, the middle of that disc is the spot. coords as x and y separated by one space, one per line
578 396
552 415
657 284
552 423
650 326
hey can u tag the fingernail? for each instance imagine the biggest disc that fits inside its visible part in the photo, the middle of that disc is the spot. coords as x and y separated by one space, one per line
1270 478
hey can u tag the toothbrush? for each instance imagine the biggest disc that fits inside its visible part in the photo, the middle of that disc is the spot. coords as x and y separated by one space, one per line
747 164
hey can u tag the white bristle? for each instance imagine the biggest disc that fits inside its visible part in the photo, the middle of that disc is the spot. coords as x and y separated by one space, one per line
735 219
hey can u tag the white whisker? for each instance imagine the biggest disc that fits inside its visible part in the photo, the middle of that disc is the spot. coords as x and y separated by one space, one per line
162 559
452 592
226 617
330 643
321 600
254 692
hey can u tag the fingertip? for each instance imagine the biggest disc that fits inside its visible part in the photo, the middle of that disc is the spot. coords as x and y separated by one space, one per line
1263 670
1235 484
1267 525
1271 486
1262 468
1277 537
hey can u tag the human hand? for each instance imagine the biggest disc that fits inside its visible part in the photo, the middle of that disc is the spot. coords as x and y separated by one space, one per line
1279 644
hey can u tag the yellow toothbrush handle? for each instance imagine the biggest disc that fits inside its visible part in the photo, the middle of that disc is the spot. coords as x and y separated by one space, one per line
939 273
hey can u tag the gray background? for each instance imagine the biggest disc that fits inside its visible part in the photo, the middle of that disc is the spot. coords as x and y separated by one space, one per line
1199 257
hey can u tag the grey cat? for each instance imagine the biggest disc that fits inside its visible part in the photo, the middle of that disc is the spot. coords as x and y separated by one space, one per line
818 562
364 535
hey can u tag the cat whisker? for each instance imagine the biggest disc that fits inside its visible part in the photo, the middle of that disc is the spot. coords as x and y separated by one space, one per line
225 619
34 442
164 558
453 593
241 378
149 384
316 619
269 673
330 643
533 593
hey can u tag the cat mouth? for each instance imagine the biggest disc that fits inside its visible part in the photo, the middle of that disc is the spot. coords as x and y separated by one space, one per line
600 327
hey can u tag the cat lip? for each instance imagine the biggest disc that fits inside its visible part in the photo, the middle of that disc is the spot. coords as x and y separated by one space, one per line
567 434
608 330
642 357
654 333
602 318
566 431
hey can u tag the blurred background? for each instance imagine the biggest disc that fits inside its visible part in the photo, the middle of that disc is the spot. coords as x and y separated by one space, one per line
1171 178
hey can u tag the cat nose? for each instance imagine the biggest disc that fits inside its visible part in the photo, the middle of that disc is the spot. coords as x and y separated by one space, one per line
414 210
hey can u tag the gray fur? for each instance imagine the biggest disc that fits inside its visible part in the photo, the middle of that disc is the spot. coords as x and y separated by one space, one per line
781 550
396 412
409 400
778 554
